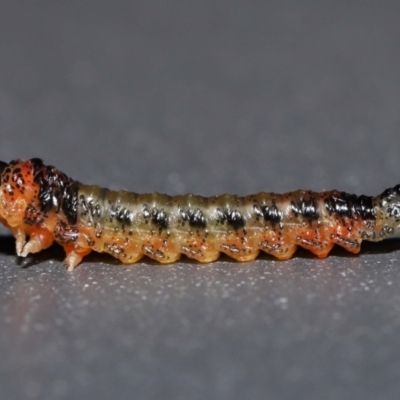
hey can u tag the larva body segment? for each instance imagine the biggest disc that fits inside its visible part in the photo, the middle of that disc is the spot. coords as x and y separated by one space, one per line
42 203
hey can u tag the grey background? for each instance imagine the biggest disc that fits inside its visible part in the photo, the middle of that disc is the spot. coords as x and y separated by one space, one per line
205 97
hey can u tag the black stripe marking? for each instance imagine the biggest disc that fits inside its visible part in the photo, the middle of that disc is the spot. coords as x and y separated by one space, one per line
234 218
349 205
195 217
306 208
159 218
56 190
271 214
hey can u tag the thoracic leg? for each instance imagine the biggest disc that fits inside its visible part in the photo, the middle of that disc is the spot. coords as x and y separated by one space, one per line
20 240
39 239
75 255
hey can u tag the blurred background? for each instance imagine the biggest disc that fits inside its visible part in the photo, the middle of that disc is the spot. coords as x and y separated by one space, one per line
205 97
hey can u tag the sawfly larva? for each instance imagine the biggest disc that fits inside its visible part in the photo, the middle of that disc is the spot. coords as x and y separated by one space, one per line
42 203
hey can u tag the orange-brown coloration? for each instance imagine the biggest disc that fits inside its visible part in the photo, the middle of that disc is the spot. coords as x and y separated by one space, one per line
42 203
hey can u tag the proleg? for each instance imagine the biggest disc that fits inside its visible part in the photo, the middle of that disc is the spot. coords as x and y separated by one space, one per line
42 205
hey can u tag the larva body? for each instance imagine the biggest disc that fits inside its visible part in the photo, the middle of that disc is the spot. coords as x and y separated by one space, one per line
43 203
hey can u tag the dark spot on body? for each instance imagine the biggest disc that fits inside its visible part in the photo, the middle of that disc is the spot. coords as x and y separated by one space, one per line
146 212
306 208
350 205
386 231
233 217
270 213
195 217
65 233
114 249
159 218
390 194
56 190
33 216
150 251
124 216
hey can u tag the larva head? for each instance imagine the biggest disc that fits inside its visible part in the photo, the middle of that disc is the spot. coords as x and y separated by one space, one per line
43 189
17 190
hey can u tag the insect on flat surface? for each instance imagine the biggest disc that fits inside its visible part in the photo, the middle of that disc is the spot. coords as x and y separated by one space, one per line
43 203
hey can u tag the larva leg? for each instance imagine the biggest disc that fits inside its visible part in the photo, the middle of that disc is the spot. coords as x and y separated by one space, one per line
199 249
203 257
74 255
20 240
127 251
160 249
39 239
319 248
276 245
239 247
321 251
282 252
346 234
314 241
131 258
349 244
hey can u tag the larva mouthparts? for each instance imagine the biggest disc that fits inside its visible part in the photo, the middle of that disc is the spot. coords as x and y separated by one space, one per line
42 203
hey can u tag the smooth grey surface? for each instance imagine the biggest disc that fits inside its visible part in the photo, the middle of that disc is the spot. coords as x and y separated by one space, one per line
205 97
